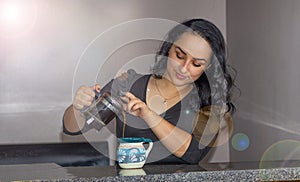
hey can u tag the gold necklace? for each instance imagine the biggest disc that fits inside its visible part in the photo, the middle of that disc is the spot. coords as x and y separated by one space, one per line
164 99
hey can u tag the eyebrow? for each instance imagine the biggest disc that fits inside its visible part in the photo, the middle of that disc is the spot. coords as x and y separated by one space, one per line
198 59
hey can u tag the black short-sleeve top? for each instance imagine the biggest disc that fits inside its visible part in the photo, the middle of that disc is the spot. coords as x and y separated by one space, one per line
183 115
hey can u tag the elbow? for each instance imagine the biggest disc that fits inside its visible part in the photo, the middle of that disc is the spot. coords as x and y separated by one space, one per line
183 149
70 125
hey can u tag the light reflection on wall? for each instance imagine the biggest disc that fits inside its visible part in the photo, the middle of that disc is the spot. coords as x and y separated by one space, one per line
17 17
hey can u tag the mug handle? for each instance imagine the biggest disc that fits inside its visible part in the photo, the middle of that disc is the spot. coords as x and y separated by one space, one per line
149 148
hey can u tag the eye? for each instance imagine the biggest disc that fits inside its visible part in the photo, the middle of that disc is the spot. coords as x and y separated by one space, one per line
198 63
179 55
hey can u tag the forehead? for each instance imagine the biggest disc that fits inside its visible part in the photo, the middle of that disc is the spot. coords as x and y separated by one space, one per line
194 45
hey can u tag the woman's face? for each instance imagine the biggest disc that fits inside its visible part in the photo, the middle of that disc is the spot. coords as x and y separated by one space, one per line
189 56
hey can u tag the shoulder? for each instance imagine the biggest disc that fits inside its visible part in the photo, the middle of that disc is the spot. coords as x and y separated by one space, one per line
130 74
126 80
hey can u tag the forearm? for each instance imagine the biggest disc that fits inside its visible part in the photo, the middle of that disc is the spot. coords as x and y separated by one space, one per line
173 138
73 120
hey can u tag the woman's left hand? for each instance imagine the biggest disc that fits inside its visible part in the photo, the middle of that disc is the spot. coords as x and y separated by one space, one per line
175 139
135 106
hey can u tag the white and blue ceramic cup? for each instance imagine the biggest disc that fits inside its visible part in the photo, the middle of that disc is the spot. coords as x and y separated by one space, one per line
132 153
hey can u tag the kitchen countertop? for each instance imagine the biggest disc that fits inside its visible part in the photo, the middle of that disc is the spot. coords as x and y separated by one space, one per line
240 171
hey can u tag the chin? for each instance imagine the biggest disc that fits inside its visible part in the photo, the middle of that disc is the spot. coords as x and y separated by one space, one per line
179 83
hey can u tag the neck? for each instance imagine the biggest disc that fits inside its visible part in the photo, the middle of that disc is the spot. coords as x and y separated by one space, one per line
165 86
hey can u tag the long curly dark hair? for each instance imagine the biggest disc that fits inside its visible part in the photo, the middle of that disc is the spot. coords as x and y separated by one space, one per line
214 85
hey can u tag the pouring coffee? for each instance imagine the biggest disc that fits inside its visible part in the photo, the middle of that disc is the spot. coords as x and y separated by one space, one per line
103 109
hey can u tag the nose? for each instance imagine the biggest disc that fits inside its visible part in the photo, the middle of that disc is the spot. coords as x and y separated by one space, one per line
184 66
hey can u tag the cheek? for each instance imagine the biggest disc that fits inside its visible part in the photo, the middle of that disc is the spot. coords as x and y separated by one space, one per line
172 63
195 74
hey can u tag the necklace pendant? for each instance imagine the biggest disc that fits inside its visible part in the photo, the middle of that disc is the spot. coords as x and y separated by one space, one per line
165 101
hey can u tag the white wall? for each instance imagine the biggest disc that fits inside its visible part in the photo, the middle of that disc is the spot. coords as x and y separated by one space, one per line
263 46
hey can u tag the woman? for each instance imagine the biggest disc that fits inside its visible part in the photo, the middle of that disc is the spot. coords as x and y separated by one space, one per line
189 76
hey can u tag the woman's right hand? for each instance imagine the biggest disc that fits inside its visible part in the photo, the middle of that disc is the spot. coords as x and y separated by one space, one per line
84 96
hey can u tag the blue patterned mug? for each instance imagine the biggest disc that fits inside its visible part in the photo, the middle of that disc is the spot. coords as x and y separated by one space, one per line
132 153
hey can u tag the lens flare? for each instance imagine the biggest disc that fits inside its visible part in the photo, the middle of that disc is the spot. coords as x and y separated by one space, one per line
16 17
187 111
240 141
285 151
10 12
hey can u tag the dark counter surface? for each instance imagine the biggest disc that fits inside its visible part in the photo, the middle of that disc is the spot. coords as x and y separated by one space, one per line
241 171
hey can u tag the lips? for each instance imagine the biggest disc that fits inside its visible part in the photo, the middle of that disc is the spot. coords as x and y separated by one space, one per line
180 76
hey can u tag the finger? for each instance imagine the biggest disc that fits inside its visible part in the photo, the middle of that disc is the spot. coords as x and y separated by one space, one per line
85 90
127 97
137 106
85 98
78 106
97 87
127 106
125 100
84 95
130 95
85 102
130 100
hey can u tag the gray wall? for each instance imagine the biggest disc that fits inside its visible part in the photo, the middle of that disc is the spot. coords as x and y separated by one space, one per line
39 65
263 40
